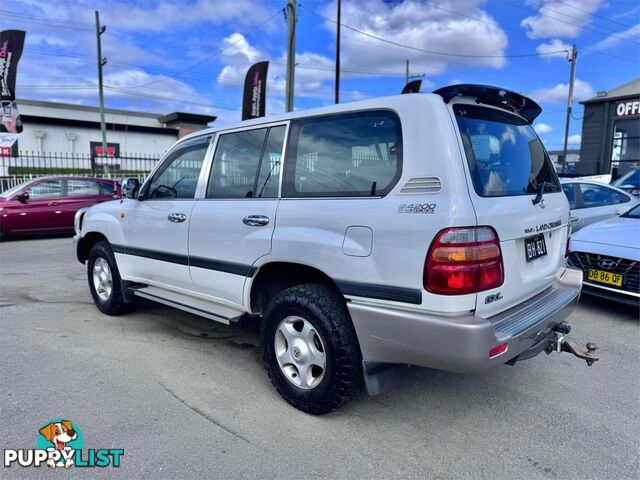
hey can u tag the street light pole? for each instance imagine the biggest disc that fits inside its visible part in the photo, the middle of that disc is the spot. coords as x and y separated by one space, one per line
100 29
573 55
337 94
291 53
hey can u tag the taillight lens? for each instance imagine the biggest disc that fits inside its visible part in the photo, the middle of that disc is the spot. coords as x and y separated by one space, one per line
567 247
464 260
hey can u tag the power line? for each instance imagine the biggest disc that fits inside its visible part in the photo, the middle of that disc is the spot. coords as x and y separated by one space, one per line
213 55
168 99
430 52
568 4
585 27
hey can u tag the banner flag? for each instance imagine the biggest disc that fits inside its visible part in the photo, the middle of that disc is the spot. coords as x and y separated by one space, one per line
11 45
255 91
412 87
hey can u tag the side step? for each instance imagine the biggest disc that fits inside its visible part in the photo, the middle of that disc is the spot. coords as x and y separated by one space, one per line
182 302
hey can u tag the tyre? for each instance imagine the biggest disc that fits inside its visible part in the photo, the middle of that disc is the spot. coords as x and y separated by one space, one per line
104 280
310 348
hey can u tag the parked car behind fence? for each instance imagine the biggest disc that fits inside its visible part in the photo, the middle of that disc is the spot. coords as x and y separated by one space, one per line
48 204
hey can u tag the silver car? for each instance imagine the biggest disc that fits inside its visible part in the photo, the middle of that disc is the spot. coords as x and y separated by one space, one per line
592 201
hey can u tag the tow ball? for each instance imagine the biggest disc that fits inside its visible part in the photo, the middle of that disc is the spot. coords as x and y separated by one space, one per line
560 343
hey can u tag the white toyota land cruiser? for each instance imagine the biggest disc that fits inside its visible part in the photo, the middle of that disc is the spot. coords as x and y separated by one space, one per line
422 229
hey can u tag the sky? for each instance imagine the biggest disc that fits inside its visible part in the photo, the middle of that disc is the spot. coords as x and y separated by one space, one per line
192 55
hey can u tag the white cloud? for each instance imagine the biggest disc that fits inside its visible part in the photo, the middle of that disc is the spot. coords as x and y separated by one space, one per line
559 93
632 33
421 25
574 139
542 128
558 19
555 45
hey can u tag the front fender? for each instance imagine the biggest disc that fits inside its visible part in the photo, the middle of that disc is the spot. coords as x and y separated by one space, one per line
102 220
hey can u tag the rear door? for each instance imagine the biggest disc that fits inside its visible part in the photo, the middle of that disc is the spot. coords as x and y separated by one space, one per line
508 167
232 226
80 193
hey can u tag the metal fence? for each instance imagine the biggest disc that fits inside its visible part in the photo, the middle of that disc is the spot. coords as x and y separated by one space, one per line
30 165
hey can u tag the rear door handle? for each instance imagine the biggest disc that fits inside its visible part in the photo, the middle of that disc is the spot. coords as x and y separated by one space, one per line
574 219
177 217
256 220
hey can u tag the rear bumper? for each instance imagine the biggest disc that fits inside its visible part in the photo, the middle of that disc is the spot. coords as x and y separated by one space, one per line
462 344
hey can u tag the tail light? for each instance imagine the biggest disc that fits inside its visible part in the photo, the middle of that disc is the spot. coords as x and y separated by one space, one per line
464 260
567 247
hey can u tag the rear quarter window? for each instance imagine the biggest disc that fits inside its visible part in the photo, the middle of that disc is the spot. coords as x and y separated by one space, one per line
355 154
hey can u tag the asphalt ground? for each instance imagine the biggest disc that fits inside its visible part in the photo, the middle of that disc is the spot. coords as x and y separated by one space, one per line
188 398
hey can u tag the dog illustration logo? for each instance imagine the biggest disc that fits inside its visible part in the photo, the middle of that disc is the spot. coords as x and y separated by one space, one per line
64 437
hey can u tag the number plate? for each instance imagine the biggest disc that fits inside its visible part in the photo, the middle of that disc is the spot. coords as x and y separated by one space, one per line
535 247
605 277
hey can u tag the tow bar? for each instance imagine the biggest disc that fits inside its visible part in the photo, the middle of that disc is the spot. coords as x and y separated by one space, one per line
563 344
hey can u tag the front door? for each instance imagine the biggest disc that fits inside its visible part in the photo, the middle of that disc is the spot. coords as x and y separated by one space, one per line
157 224
232 226
41 212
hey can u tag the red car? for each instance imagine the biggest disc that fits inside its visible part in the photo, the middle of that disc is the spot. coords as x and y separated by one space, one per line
48 204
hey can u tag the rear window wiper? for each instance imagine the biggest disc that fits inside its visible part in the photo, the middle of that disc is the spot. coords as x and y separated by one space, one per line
540 192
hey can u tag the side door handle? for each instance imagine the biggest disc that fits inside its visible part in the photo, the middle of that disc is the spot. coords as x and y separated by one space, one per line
177 217
574 219
256 220
52 204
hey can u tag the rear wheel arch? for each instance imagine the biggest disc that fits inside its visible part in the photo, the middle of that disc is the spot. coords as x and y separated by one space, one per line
272 278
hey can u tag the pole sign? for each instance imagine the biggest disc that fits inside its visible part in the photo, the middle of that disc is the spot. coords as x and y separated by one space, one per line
255 91
628 109
11 45
412 87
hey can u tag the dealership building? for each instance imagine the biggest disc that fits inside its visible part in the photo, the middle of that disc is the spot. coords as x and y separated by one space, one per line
62 128
611 132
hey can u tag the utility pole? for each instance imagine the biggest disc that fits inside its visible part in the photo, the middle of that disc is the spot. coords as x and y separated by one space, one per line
291 52
406 74
100 29
572 56
338 53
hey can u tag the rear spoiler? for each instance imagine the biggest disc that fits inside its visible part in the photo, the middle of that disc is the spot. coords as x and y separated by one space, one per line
498 97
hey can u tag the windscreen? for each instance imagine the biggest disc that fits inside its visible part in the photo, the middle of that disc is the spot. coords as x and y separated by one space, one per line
505 156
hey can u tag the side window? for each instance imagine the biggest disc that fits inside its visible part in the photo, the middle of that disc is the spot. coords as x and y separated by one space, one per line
46 189
78 188
269 176
235 164
354 154
567 188
599 196
106 188
178 175
247 164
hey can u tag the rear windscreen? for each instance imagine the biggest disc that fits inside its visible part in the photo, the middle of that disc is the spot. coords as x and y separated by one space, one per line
505 155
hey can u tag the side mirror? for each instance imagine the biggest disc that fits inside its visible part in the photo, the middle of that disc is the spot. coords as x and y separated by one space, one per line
23 197
130 188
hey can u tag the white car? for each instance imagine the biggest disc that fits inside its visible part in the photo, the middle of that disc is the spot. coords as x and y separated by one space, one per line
424 229
608 253
591 201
